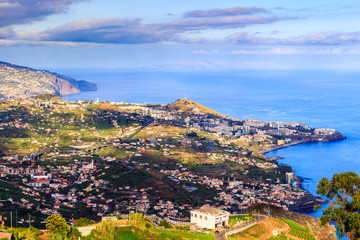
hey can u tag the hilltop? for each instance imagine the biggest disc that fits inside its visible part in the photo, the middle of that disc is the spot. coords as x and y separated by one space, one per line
18 82
190 107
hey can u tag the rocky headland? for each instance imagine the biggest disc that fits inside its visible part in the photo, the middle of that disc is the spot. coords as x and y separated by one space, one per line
17 82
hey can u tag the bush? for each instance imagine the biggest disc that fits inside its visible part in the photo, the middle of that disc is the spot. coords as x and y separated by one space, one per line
165 224
83 222
105 230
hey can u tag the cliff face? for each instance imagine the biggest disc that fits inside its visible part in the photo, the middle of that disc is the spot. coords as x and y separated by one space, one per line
23 82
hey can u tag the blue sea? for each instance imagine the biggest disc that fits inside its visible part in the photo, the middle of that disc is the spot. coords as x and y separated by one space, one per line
321 99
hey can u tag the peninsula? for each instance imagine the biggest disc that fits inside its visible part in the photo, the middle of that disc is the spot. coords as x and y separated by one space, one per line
91 159
22 82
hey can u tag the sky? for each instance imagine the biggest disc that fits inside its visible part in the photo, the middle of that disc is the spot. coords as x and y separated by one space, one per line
181 35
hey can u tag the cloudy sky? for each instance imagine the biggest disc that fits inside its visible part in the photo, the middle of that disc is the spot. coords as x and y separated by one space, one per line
186 34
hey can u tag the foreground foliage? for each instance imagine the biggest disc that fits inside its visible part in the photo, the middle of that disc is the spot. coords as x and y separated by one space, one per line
83 222
142 230
343 190
239 218
60 230
25 233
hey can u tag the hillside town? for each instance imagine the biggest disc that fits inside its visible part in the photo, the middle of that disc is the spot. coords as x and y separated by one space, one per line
93 159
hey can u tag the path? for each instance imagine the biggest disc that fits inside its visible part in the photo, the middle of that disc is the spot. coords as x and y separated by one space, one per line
223 234
86 230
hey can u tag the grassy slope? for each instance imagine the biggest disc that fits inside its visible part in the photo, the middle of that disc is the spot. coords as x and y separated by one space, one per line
322 232
188 105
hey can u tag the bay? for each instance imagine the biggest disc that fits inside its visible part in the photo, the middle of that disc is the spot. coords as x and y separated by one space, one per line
321 99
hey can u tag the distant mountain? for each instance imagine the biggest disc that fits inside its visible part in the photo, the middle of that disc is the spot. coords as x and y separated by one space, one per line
190 107
23 82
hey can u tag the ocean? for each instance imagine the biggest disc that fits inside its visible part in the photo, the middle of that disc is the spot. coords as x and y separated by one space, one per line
321 99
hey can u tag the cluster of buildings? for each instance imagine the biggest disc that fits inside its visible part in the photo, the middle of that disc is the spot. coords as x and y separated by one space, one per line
83 182
233 192
186 176
250 130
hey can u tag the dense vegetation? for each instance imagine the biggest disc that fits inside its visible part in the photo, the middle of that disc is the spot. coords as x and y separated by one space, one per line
344 192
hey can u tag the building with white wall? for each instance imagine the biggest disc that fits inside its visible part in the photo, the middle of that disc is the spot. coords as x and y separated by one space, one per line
209 217
289 177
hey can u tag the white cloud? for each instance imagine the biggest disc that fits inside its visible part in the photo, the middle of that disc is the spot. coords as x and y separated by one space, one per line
218 65
290 51
345 66
224 12
26 11
206 52
5 42
284 50
326 38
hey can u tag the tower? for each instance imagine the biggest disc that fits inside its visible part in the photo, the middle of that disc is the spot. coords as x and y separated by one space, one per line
289 177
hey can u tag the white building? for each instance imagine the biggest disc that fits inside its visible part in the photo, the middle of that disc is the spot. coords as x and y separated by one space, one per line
209 217
289 177
234 183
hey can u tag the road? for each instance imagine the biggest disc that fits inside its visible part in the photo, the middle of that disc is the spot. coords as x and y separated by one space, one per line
222 234
145 124
150 120
86 230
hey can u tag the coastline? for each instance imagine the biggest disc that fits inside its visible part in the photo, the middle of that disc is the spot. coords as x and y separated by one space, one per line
307 203
331 138
281 146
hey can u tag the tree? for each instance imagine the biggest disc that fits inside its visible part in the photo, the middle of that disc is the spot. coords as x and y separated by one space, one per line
343 191
165 224
83 222
58 226
105 230
25 233
74 234
148 225
135 217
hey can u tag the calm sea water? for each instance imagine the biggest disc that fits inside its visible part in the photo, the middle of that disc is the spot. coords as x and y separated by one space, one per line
322 99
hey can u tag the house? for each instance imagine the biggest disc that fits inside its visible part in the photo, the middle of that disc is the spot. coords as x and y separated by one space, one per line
39 183
209 217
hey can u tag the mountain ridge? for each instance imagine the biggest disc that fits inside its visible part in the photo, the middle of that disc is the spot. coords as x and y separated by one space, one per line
24 82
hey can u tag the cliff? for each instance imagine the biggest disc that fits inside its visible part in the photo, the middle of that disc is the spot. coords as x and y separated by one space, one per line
23 82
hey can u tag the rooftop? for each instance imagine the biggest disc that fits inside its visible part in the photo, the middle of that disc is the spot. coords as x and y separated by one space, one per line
212 211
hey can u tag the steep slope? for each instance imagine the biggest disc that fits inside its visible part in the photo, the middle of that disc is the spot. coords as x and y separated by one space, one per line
327 231
23 82
190 107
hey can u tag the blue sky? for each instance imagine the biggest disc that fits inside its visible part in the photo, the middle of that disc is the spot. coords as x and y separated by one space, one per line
187 34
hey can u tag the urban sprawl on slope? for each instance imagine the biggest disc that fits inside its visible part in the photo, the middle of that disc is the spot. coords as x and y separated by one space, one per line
95 159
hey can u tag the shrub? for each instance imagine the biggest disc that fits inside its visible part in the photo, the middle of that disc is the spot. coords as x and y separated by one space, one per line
165 224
